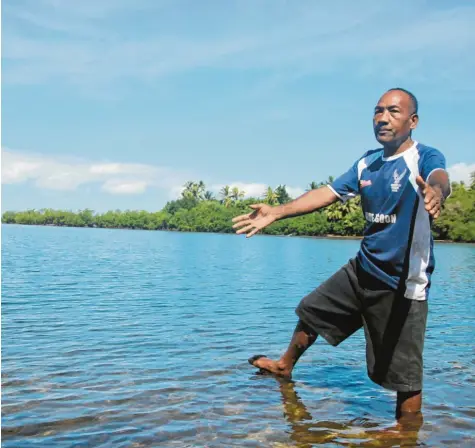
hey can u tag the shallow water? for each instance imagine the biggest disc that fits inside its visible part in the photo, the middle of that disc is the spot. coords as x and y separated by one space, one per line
135 339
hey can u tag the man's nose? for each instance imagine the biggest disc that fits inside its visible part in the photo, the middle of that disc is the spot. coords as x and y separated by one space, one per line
383 117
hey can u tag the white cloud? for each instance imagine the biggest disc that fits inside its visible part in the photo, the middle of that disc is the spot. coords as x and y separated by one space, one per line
461 172
68 174
117 186
132 178
121 168
295 192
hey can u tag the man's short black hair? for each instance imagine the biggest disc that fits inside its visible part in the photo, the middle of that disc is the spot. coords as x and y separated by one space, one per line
414 101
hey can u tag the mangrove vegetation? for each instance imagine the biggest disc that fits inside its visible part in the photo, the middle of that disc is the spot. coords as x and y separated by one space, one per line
199 210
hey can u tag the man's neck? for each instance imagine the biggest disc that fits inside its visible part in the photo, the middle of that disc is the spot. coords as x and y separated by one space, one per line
398 148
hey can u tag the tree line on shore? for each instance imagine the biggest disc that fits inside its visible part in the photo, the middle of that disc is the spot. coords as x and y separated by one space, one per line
199 210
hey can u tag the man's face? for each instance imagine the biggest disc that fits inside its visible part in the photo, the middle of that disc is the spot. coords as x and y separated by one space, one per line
394 118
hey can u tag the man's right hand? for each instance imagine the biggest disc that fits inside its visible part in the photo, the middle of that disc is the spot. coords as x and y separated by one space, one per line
250 223
264 215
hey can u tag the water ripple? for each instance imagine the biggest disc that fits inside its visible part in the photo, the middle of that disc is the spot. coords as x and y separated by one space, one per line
138 339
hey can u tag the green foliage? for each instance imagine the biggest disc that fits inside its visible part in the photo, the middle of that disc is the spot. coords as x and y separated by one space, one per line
313 224
346 218
193 190
186 203
282 195
198 211
208 196
271 197
230 195
457 220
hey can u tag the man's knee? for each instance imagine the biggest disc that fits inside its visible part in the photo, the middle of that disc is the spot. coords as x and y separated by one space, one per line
306 304
302 326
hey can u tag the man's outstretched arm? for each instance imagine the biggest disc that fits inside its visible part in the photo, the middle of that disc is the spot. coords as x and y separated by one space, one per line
264 215
307 203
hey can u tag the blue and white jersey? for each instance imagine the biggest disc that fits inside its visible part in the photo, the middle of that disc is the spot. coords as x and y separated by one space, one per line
397 243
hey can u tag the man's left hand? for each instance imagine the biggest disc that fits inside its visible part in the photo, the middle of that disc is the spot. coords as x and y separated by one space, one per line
433 197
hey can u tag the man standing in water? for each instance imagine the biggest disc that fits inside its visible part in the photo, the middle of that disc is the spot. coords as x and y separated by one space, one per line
384 289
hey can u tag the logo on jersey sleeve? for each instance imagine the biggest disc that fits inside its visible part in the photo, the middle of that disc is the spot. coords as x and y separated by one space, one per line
365 183
397 180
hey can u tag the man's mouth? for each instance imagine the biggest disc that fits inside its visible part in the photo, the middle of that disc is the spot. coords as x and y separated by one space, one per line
383 131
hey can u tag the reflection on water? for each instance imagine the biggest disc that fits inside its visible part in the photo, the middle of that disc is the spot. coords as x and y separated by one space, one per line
306 432
140 339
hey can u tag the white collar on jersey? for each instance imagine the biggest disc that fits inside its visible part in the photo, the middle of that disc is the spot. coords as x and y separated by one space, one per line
396 156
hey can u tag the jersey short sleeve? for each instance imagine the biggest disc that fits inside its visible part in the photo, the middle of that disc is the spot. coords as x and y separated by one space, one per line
346 186
431 160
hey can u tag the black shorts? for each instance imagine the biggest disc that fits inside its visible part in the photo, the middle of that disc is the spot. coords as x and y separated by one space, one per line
394 326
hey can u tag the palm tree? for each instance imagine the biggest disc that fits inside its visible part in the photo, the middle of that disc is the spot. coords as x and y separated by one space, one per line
334 211
236 194
226 195
193 190
198 189
282 194
339 210
225 192
187 187
201 187
208 196
270 196
312 186
351 206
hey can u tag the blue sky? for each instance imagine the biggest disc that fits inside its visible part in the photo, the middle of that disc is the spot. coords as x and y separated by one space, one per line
114 104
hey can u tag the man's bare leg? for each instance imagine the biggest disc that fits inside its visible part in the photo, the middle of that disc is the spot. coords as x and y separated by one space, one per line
302 339
409 404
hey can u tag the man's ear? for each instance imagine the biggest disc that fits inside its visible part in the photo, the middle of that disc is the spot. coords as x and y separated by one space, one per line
414 121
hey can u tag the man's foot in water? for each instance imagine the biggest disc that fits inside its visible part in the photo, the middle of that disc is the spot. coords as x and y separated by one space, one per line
266 365
302 338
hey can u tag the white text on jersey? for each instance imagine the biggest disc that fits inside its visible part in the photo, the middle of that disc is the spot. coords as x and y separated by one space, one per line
379 217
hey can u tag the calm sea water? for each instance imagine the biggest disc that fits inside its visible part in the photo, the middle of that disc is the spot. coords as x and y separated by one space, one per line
132 338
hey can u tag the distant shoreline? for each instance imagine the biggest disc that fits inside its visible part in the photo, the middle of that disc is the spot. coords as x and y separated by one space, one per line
198 211
323 237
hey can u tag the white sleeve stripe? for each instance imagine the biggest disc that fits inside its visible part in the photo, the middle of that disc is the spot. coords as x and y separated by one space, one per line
412 160
419 258
361 166
332 189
